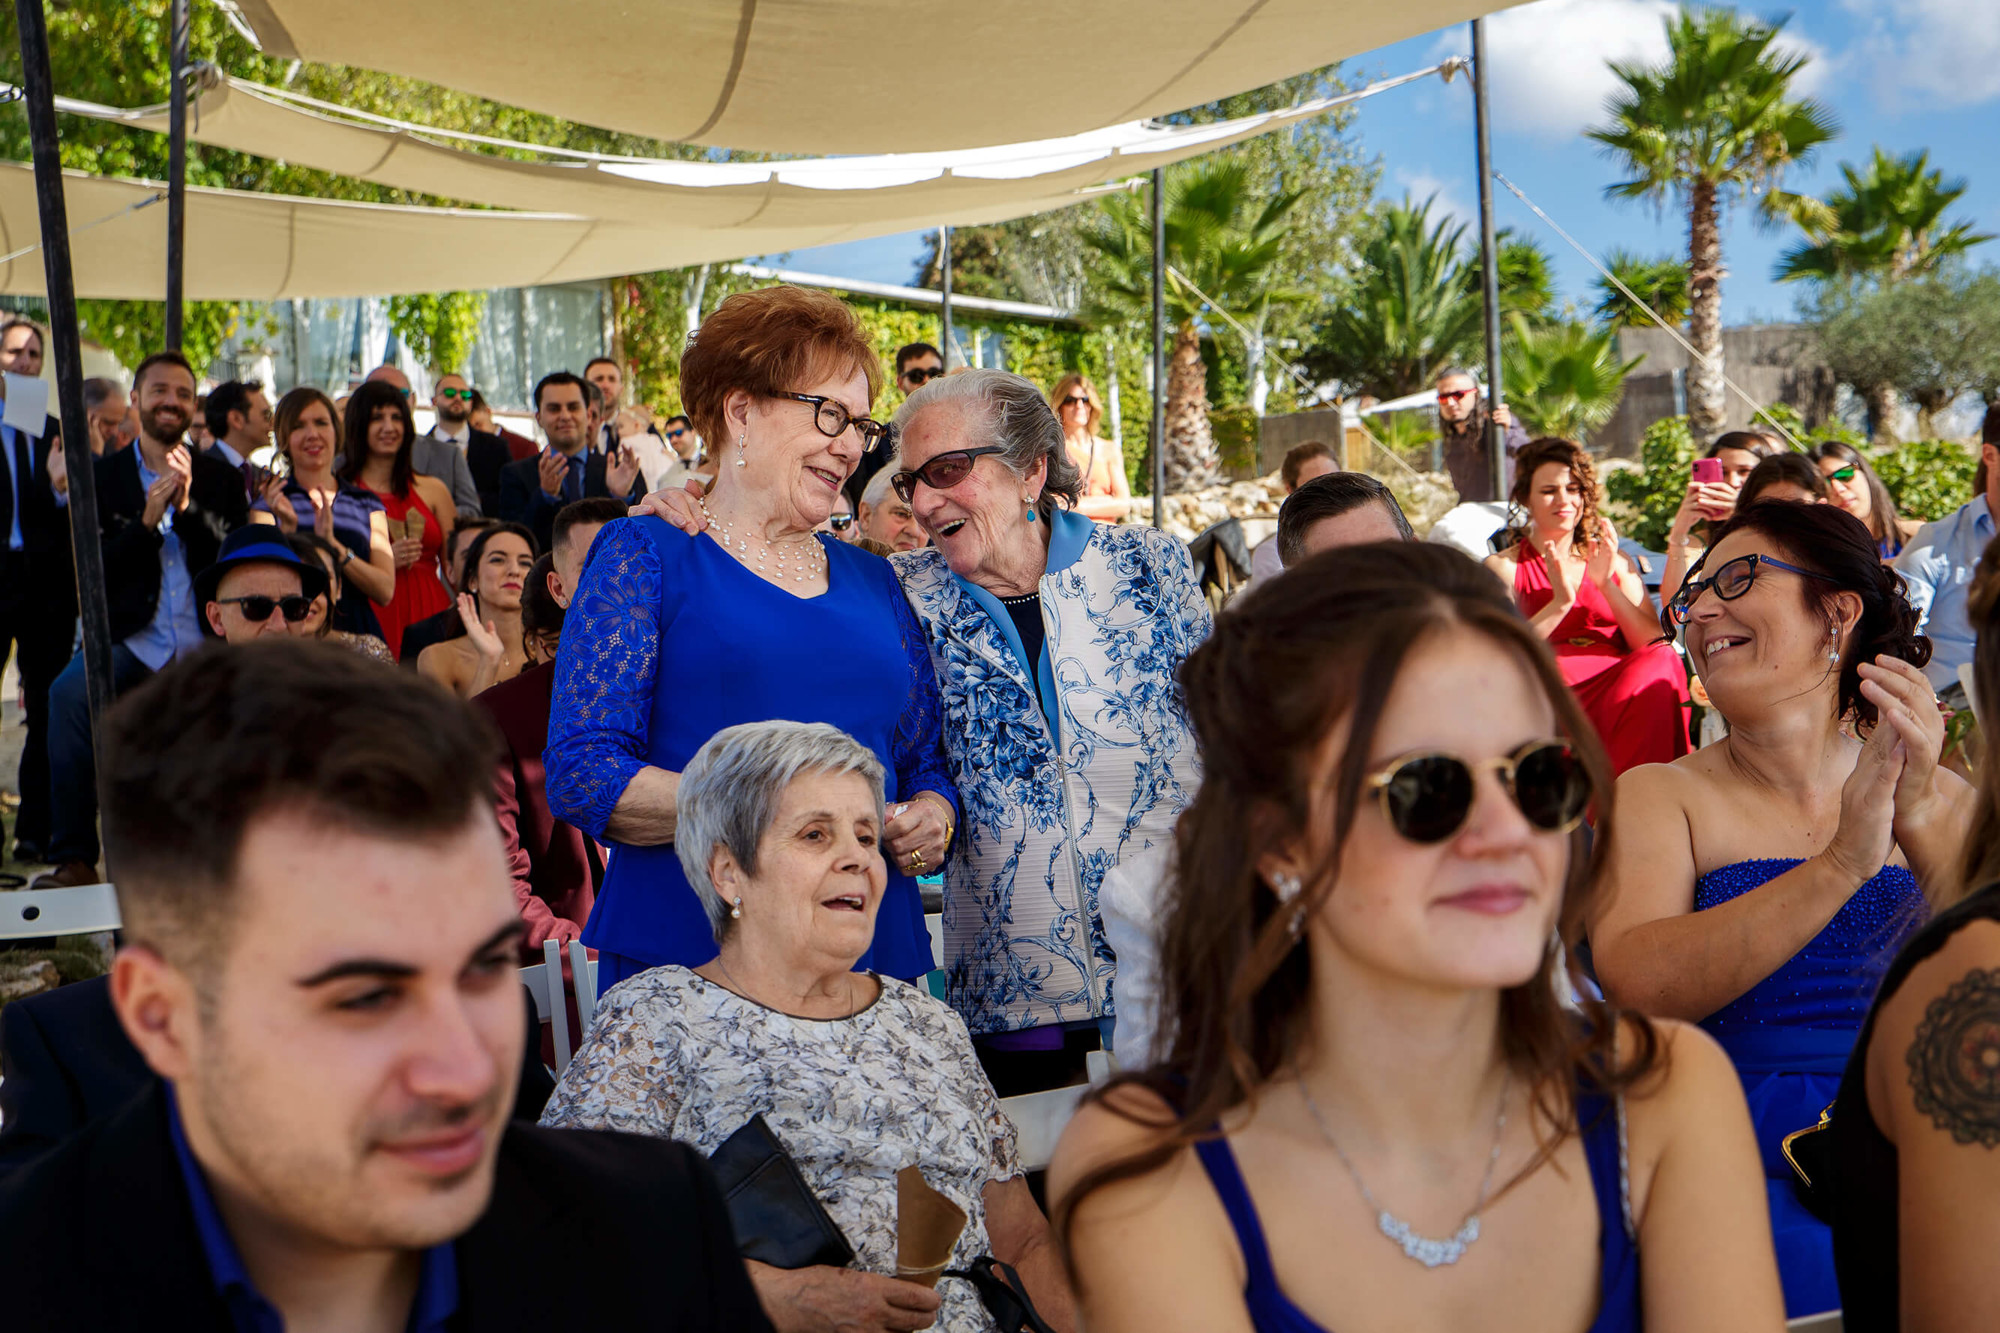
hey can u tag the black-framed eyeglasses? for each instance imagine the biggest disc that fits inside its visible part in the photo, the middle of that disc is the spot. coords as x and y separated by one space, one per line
840 522
920 374
832 418
1730 581
1428 797
942 472
257 610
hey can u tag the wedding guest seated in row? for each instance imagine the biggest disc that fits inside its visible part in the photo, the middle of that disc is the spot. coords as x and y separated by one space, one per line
1939 562
859 1075
1785 476
1915 1181
320 967
489 606
307 497
761 615
445 624
1370 1110
1302 463
1338 509
1104 492
886 517
1709 504
259 585
319 622
1762 883
1852 484
1581 593
377 436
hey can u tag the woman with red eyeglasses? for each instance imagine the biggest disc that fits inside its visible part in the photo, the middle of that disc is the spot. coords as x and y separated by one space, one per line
1106 494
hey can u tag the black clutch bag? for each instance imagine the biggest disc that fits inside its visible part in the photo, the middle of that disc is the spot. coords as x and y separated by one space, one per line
778 1219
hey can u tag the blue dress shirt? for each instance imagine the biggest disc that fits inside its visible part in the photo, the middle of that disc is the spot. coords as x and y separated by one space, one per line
1937 566
572 486
18 484
175 627
249 1311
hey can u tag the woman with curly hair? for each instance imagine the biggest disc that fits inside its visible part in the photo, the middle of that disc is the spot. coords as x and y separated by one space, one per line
1762 884
1581 593
1373 1110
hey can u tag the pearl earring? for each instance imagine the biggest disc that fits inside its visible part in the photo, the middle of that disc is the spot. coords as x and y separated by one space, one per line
1286 886
736 912
741 440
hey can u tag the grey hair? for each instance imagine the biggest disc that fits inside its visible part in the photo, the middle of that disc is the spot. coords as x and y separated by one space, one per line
877 489
729 793
1015 416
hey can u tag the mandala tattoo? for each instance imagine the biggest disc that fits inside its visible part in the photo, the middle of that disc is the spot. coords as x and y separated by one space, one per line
1955 1060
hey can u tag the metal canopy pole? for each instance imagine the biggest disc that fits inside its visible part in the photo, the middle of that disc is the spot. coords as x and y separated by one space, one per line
1159 350
1489 264
944 272
67 348
177 170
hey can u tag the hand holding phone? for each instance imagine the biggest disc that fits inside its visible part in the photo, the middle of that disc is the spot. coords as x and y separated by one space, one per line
1707 470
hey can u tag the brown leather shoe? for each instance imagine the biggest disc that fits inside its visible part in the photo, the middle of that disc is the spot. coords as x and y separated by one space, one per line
68 875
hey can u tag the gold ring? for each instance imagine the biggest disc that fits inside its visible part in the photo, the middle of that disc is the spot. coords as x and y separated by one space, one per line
916 860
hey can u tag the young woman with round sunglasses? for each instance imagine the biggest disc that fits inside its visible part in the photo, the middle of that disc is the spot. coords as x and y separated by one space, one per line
1760 885
1106 494
1373 1111
1852 484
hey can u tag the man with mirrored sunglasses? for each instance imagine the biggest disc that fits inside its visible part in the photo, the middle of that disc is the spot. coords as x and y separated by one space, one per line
257 586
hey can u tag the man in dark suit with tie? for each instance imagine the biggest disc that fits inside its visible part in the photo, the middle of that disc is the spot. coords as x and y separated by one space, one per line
162 514
239 424
37 585
570 469
321 970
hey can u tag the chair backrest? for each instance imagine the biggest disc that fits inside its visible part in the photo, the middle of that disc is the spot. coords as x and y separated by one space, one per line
544 981
85 910
1039 1118
934 923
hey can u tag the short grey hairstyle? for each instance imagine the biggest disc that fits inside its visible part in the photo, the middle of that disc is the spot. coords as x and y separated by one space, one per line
878 486
729 793
1015 416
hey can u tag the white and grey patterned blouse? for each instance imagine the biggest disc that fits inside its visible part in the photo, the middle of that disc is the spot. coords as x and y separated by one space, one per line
855 1100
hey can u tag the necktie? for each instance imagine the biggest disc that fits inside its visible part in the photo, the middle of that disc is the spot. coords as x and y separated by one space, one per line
17 493
249 479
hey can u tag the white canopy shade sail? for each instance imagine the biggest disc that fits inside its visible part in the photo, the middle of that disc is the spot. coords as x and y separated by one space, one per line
708 205
845 76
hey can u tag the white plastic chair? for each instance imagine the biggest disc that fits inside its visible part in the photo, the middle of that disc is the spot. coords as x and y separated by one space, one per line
934 922
544 981
1828 1322
1040 1117
32 913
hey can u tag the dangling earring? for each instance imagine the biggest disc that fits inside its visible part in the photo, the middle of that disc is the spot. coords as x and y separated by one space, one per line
736 912
1286 886
1833 650
741 440
1031 513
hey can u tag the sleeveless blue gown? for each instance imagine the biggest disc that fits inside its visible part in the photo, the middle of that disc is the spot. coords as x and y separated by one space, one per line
1790 1036
1618 1311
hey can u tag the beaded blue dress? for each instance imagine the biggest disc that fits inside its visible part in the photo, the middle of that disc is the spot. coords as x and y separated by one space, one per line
669 640
1790 1035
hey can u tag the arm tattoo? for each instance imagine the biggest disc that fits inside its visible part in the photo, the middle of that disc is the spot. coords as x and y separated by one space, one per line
1955 1060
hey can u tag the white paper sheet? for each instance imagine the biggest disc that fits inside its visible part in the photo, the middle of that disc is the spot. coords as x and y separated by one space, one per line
27 404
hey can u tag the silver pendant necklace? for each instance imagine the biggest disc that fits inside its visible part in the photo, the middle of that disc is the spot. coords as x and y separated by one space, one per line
1425 1250
810 570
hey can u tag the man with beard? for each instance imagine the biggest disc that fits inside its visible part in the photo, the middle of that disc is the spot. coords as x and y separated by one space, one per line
569 469
162 512
320 967
485 453
1462 416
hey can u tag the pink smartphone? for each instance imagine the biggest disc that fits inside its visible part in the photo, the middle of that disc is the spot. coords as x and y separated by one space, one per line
1707 470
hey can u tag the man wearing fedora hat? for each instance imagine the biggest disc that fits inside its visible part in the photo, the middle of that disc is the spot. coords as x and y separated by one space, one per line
258 585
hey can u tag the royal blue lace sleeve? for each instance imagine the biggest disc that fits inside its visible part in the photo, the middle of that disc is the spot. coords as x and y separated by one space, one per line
605 671
920 761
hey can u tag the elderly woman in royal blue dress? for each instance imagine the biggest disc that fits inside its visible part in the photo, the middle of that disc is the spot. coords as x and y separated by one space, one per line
745 614
1058 643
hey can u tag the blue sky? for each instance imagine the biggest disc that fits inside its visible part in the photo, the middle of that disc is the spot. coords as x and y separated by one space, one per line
1905 74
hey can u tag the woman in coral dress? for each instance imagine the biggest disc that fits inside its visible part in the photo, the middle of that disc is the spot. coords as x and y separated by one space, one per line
376 435
1574 585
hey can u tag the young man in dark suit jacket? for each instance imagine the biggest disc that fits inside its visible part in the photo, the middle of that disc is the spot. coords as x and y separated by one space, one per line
485 453
321 970
569 469
162 513
37 585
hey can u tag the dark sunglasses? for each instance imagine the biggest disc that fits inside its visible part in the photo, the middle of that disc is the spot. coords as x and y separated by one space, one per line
1074 399
1730 581
1842 473
941 473
840 522
919 374
463 395
676 432
832 418
257 610
1453 395
1428 797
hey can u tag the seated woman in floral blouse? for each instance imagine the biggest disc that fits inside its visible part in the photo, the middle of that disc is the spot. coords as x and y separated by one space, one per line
858 1074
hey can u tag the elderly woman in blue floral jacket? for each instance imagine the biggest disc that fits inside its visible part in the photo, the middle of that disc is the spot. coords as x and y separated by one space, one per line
1057 643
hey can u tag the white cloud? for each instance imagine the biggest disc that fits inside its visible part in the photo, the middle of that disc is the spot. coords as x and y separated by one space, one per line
1422 185
1937 52
1548 71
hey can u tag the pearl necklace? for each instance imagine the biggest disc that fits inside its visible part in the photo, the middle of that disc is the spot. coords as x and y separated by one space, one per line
813 570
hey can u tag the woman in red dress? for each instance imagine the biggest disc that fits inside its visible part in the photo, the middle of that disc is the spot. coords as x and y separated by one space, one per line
1577 589
376 435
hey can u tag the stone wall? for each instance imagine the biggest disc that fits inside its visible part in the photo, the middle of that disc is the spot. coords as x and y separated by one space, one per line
1775 363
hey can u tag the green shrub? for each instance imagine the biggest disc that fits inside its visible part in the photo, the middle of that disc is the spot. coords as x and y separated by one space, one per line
1651 495
1928 478
1235 430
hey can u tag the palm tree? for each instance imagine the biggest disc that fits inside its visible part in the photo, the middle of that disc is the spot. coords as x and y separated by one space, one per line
1414 311
1564 378
1884 224
1223 242
1662 283
1714 122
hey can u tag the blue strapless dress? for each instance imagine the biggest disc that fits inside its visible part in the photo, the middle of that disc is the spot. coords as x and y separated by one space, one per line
1790 1036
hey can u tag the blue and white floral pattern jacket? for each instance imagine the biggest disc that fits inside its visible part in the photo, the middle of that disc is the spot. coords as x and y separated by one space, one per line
1062 769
